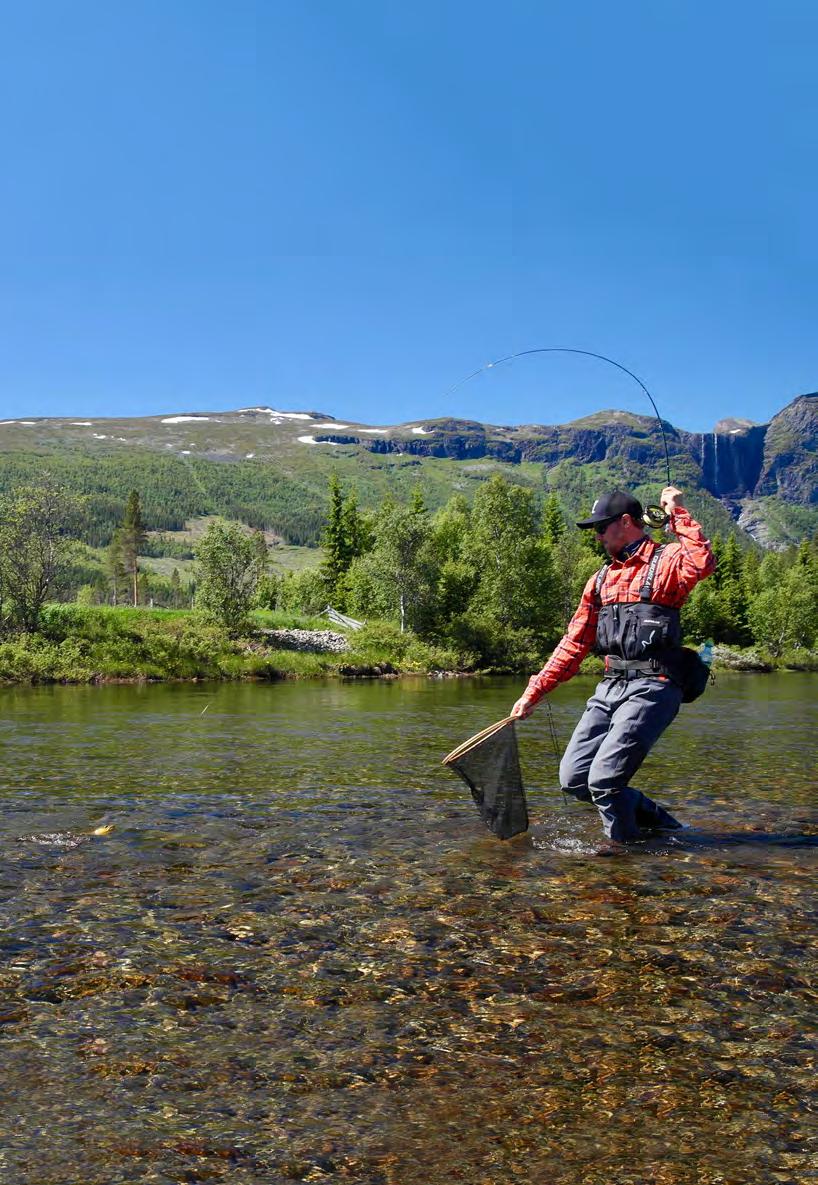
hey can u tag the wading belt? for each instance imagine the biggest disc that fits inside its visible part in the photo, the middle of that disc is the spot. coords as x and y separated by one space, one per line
632 668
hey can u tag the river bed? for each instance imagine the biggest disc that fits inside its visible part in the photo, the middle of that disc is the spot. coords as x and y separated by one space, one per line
293 953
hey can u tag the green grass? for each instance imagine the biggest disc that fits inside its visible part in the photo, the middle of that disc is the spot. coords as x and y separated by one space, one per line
86 644
164 565
278 619
286 557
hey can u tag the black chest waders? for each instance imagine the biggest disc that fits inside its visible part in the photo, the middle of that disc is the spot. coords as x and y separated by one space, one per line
641 639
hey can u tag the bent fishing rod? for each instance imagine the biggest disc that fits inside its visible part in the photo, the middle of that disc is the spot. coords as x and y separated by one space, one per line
654 516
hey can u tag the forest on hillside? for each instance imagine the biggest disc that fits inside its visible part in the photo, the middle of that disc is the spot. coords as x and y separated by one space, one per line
491 582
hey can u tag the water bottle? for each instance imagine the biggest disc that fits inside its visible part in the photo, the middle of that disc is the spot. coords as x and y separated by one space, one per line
706 652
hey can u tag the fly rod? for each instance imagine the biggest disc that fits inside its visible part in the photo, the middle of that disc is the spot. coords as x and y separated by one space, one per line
654 516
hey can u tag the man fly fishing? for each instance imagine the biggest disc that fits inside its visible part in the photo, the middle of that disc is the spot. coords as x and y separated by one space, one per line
629 613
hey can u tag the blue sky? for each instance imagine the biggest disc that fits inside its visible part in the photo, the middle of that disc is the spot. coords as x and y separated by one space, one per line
349 206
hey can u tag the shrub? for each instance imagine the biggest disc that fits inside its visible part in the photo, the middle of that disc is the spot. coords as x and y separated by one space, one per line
383 641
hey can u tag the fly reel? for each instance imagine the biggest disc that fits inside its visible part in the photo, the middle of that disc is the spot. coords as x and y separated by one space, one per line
655 517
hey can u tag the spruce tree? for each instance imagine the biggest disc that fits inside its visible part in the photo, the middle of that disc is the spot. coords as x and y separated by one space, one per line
717 548
417 504
333 540
347 534
358 533
115 566
132 535
732 594
553 520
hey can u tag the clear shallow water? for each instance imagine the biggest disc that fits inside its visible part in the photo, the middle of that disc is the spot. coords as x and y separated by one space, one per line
299 956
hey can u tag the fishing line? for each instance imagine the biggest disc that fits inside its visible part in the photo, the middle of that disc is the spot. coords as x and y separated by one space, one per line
552 729
555 745
587 354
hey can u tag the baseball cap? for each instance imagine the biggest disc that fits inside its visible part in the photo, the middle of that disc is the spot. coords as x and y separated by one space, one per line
610 506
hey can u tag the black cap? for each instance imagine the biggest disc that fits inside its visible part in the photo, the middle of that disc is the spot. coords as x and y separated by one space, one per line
611 506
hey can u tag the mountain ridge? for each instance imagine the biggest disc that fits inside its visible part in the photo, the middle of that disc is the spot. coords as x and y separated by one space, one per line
764 475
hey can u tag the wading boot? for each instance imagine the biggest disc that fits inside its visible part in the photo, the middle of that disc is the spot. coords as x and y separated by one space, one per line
610 847
652 817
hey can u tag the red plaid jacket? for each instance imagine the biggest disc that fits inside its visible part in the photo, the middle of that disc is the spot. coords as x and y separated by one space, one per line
681 566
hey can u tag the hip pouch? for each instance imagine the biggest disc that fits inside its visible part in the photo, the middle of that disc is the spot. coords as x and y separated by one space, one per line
686 669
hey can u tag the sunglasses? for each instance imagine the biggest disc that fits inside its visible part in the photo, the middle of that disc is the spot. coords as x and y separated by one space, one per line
601 528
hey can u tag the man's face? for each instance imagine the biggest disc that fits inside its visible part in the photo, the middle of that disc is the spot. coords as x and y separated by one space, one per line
615 534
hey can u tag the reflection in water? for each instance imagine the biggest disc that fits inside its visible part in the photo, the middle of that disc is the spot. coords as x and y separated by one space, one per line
298 955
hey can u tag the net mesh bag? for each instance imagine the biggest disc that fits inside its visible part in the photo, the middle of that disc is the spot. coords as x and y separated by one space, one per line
489 764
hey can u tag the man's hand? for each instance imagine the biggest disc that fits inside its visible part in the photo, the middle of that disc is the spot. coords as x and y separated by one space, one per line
671 499
522 709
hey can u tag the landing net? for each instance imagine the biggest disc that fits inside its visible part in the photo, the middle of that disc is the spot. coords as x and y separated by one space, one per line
489 764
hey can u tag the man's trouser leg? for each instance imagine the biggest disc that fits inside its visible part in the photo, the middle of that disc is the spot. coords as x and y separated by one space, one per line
621 723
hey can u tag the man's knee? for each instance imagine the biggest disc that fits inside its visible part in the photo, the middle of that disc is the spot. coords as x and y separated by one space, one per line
573 778
613 768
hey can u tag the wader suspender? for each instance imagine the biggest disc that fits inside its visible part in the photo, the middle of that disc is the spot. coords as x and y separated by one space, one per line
600 580
646 591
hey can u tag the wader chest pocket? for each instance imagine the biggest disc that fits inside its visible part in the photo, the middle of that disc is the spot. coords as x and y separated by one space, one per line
636 630
651 635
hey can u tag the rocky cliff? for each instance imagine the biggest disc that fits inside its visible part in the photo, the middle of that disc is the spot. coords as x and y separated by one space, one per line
738 459
789 465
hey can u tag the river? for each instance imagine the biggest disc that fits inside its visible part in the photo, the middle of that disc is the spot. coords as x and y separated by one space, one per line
294 953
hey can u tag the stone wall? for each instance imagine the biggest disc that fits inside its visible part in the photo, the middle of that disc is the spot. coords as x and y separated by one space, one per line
308 641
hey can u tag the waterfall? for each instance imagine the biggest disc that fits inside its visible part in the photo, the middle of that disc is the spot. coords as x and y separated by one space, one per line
704 480
715 464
